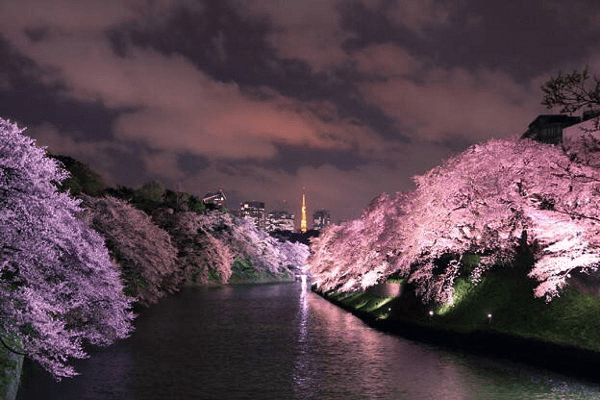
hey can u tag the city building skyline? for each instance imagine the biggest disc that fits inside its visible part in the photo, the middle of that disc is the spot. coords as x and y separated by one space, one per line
321 218
279 220
254 212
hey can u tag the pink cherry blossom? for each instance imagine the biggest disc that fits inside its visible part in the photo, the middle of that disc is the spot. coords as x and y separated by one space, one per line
58 287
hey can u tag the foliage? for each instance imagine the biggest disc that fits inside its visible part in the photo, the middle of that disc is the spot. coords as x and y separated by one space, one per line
572 91
494 201
142 250
81 179
153 196
177 201
58 286
196 204
121 192
149 196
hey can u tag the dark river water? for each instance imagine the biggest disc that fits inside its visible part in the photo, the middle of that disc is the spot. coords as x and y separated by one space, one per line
281 341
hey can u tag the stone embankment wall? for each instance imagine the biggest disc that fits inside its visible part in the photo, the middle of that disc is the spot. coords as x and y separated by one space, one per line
11 374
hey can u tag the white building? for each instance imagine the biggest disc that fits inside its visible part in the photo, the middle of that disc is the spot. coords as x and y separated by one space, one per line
321 218
280 221
254 212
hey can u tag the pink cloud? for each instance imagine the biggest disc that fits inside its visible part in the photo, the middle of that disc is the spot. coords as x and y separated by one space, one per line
177 106
445 104
417 15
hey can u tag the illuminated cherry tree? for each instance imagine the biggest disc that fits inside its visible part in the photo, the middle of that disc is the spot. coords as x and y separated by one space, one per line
142 250
58 287
293 255
266 254
199 253
363 244
492 201
208 244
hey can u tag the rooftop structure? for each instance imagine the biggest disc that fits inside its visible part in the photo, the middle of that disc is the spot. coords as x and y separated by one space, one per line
548 128
214 198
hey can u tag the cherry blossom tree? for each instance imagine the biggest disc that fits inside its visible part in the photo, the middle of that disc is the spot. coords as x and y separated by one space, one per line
58 286
266 254
581 142
494 200
363 243
142 250
293 255
200 255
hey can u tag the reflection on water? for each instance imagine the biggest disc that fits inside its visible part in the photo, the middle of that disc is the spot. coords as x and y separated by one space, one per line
284 342
301 379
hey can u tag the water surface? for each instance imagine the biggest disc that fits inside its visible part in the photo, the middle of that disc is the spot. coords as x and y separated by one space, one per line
281 341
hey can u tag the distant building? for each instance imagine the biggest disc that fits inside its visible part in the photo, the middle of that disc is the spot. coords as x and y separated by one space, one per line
254 211
321 218
216 199
549 128
280 221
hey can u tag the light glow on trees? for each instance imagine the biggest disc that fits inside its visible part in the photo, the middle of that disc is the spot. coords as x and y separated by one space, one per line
143 251
58 287
490 202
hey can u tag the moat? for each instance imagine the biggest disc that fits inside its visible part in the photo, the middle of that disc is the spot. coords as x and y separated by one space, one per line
281 341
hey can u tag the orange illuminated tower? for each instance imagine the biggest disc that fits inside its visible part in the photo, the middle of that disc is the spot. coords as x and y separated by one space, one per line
303 220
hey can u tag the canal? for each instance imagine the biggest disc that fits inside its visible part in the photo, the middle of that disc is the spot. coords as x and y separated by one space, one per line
281 341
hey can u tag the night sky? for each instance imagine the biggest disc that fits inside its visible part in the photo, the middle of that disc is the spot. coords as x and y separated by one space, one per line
262 98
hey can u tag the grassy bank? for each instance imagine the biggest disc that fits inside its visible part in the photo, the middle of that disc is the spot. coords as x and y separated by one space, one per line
499 314
242 270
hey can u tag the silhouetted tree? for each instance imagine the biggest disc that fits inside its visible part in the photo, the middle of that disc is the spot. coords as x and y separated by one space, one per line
82 179
149 196
572 91
121 192
178 201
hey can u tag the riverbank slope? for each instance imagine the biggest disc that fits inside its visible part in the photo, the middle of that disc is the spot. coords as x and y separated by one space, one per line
499 316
